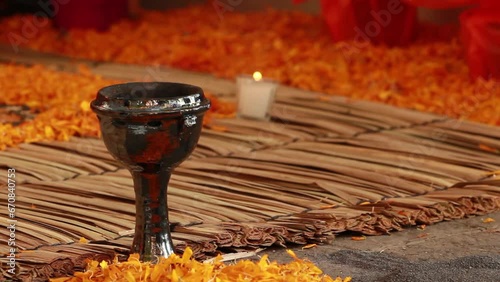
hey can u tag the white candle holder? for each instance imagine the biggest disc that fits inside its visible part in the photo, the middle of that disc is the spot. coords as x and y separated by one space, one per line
255 96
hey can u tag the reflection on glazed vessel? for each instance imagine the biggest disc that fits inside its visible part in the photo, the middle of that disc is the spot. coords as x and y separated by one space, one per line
190 121
151 132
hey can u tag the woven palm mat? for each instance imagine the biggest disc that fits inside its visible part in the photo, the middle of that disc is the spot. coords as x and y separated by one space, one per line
322 166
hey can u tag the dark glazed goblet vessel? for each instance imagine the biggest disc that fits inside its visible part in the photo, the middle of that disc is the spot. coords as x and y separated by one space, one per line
151 128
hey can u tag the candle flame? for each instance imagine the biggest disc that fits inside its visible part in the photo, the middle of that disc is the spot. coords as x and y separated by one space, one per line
257 76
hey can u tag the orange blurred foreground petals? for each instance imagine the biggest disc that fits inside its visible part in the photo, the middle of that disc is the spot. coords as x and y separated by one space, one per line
184 268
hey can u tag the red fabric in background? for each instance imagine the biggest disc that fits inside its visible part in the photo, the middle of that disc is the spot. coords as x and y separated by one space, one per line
480 30
489 4
446 4
441 4
96 14
369 20
391 22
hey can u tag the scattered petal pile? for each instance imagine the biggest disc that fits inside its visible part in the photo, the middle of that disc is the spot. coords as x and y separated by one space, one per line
291 47
61 102
186 269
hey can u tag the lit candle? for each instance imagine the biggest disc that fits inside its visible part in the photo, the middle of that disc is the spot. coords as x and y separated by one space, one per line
255 96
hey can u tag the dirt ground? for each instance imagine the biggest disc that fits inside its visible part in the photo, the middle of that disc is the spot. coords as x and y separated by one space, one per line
460 250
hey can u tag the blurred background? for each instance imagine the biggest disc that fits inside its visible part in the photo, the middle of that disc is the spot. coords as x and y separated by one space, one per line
445 42
9 7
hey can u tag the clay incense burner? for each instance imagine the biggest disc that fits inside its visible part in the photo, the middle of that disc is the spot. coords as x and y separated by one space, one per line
151 128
